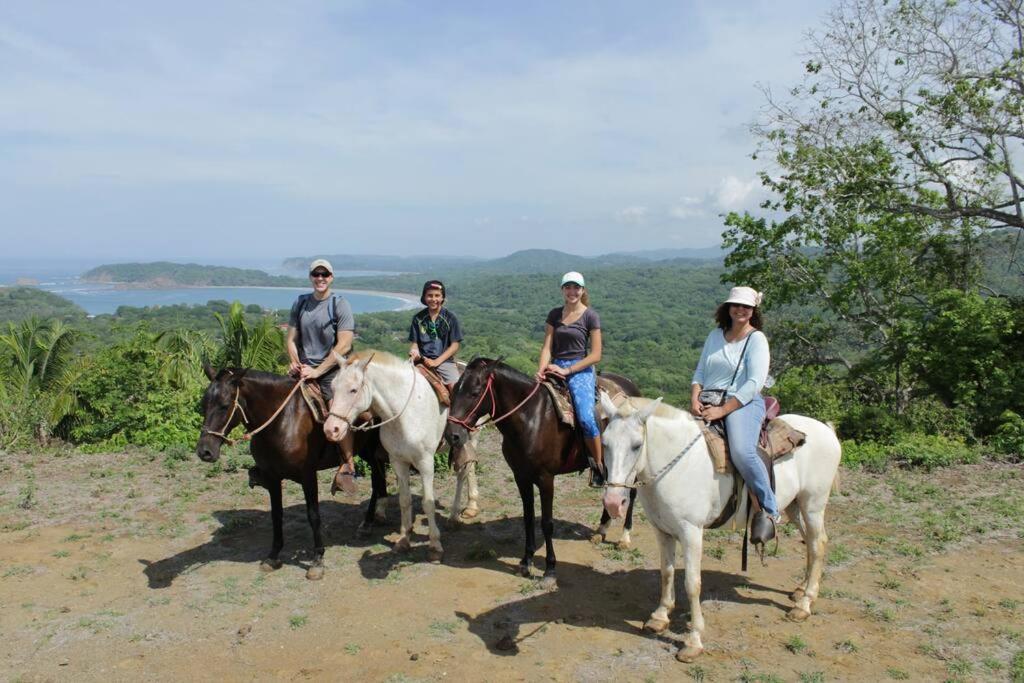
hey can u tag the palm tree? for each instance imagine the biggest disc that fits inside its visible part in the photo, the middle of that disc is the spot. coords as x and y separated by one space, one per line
259 346
40 372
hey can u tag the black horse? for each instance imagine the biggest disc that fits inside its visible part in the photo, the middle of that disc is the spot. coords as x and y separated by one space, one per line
536 444
290 445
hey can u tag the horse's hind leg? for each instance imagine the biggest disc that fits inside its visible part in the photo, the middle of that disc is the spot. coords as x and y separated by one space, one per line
625 541
277 519
311 492
404 543
815 540
547 525
659 619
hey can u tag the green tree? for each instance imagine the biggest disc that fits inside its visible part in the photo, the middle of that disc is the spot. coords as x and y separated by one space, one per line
39 377
242 345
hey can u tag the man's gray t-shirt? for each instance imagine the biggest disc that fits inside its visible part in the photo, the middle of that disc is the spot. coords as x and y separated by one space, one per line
316 332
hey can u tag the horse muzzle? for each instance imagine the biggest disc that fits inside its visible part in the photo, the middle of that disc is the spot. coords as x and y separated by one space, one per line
208 452
616 501
335 428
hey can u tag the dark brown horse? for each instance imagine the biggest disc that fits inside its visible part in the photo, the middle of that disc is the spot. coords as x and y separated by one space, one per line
290 446
536 444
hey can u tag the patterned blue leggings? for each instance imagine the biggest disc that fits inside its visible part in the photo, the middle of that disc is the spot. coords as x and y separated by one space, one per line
583 387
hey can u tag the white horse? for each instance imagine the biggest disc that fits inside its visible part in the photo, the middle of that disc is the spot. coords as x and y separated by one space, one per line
413 423
660 450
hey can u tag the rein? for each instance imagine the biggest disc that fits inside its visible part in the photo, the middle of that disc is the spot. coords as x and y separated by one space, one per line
245 420
367 427
489 391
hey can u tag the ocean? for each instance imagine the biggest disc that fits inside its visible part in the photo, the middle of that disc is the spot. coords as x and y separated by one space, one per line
61 277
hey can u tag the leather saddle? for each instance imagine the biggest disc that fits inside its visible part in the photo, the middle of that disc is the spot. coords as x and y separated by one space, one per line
436 383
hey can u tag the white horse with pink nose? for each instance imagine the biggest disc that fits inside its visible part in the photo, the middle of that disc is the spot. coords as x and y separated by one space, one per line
660 451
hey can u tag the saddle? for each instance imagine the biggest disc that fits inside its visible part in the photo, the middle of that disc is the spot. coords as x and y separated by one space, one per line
562 399
777 438
436 383
315 400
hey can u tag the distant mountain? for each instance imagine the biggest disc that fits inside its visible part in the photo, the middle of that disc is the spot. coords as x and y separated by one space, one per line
393 264
702 253
167 274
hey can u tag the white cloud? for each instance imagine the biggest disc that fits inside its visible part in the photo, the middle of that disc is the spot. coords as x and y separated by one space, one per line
687 207
734 194
633 214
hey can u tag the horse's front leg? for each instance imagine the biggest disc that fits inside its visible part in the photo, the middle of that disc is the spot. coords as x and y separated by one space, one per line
626 540
693 547
277 520
426 467
526 494
405 503
659 620
312 494
472 508
547 525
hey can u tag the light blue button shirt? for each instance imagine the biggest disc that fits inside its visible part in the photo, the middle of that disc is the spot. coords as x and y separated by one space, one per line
718 363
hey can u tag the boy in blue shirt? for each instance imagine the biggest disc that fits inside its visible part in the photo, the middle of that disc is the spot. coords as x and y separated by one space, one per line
435 334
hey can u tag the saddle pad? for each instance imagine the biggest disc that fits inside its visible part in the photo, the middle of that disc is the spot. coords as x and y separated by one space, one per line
563 404
718 449
779 438
437 384
315 400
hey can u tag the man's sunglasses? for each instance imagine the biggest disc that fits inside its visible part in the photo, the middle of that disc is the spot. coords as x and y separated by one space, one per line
319 273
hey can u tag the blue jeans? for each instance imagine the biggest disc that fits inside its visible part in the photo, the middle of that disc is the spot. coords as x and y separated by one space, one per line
743 427
583 388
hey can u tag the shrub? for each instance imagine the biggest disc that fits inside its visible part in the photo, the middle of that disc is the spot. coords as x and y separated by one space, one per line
910 450
1009 435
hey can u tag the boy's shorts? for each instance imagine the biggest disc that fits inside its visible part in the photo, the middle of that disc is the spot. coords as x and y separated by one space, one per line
449 373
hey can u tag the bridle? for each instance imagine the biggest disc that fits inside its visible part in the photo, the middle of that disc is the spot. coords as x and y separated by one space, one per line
236 406
368 426
469 422
641 464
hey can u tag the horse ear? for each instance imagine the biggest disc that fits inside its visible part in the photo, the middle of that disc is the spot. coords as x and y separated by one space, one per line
362 366
608 405
342 361
208 369
644 413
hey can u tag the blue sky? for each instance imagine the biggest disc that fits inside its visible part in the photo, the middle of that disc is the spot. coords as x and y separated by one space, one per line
152 130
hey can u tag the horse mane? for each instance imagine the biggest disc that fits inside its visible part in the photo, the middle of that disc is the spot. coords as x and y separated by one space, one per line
634 403
379 357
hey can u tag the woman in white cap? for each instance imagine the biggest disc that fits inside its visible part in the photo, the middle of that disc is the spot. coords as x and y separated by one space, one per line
321 325
727 385
567 330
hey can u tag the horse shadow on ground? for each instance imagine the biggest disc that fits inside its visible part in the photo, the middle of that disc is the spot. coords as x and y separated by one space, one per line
472 544
587 598
245 536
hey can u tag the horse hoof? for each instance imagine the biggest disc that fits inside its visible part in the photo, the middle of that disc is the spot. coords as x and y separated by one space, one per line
797 614
380 517
434 555
269 565
656 625
470 513
597 539
797 595
403 545
524 570
453 524
623 545
549 582
688 654
364 530
315 573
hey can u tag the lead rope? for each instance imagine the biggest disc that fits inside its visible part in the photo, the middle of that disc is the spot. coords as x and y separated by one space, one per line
367 427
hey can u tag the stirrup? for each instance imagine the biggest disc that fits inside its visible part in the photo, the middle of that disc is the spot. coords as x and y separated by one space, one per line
762 530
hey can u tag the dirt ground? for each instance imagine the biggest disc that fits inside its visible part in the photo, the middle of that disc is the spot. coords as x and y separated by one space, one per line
141 566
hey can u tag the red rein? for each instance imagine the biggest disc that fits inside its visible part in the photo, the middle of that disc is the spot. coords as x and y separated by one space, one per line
489 391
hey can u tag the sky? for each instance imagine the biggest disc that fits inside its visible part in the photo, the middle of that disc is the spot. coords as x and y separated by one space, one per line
226 130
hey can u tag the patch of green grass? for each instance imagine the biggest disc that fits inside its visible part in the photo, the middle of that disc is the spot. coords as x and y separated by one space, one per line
715 551
1009 603
897 674
992 664
847 646
17 570
442 629
61 553
889 583
697 673
71 538
906 549
297 620
352 648
481 553
796 644
750 677
838 553
959 667
812 677
1017 667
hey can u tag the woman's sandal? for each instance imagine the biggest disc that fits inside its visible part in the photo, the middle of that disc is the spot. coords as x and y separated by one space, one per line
344 480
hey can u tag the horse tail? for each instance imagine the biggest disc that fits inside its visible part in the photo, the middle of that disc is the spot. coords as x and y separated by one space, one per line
835 480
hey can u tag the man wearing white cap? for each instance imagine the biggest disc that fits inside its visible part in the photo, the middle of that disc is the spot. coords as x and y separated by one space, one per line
727 385
321 325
